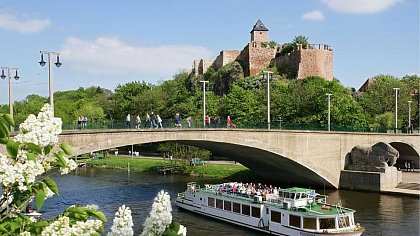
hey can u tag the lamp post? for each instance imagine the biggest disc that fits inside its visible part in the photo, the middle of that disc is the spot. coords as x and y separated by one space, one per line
50 73
267 75
204 101
409 116
396 109
329 110
280 121
16 77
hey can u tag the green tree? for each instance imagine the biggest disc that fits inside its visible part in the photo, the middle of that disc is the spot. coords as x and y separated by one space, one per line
301 40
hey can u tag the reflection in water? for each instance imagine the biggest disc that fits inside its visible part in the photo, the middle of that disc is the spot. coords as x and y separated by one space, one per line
379 214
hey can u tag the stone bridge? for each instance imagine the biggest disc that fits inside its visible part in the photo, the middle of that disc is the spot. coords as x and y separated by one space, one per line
311 158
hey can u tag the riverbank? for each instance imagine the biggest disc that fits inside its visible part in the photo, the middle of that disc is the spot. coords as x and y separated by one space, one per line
225 170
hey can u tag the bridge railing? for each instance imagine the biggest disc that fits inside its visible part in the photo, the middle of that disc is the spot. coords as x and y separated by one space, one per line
276 125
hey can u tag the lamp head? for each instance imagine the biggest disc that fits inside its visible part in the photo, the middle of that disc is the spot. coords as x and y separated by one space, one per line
42 62
16 76
2 75
58 63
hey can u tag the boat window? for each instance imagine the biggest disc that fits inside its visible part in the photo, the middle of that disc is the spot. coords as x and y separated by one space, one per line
236 207
275 216
256 212
228 206
292 195
309 223
210 202
294 221
219 203
246 210
287 195
327 223
343 221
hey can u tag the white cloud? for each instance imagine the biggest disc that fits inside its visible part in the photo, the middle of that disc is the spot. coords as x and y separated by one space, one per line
360 6
108 55
313 15
12 22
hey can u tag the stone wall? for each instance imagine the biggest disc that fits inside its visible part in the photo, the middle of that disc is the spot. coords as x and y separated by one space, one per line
314 61
225 57
259 36
204 65
259 58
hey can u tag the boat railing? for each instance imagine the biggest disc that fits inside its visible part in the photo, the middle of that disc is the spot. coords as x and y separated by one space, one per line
181 195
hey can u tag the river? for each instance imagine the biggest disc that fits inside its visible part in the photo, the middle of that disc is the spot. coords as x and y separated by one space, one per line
379 214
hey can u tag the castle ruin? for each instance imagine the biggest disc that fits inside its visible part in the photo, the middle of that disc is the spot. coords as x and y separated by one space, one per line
313 60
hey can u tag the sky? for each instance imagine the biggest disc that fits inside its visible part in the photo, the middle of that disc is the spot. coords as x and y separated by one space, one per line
106 43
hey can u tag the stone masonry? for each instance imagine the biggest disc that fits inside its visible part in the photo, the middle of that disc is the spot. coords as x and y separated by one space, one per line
315 60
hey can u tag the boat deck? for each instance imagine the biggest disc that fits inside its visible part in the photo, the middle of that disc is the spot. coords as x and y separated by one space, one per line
313 209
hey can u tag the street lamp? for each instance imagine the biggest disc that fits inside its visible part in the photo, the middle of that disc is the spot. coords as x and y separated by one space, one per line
267 76
409 116
396 109
204 101
16 77
329 110
50 74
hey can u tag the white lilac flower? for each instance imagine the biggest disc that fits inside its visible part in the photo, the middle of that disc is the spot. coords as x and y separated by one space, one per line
61 227
123 223
182 230
160 216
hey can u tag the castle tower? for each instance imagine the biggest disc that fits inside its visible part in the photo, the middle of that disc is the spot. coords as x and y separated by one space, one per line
259 33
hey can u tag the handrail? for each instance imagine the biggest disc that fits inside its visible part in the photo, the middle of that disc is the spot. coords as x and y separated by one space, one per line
276 125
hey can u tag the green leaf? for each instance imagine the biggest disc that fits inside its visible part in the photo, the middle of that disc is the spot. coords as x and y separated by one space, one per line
9 119
40 224
34 148
47 149
60 160
79 210
51 184
66 148
31 156
97 214
40 198
12 148
2 229
4 131
4 140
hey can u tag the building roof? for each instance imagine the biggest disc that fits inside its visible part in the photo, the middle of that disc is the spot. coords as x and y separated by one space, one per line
259 26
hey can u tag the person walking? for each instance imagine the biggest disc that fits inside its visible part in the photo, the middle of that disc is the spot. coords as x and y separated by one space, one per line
188 121
79 122
228 121
207 121
178 120
159 121
154 119
128 121
147 121
138 121
84 122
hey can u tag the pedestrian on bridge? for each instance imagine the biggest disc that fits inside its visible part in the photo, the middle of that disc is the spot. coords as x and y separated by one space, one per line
147 121
128 121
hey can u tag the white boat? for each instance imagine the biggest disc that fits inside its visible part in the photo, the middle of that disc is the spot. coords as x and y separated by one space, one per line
292 211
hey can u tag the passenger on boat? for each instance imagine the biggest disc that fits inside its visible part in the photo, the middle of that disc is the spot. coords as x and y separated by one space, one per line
29 209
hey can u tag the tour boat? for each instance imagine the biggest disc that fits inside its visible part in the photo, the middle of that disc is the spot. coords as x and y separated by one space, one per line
291 211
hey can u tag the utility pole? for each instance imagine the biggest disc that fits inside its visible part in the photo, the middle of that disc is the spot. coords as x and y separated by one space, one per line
329 111
204 101
267 75
396 109
409 116
9 76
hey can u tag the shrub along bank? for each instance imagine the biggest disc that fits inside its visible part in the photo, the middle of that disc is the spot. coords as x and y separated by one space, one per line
220 171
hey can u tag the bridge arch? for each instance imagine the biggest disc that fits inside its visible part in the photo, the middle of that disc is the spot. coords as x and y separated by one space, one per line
407 153
268 164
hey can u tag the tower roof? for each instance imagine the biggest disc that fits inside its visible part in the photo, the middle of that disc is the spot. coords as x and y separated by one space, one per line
259 26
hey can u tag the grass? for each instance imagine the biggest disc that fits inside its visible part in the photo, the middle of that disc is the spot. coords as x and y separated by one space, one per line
221 171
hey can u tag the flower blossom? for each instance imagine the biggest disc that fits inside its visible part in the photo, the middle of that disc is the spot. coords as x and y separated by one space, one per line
123 223
62 227
160 215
